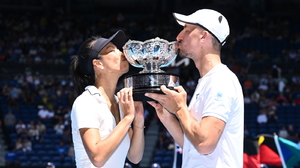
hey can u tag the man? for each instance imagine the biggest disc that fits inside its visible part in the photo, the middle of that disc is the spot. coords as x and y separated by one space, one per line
9 122
11 157
210 130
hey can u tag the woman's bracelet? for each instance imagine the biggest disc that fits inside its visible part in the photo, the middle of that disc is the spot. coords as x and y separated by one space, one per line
139 127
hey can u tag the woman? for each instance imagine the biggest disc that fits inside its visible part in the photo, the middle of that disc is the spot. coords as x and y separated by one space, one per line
105 127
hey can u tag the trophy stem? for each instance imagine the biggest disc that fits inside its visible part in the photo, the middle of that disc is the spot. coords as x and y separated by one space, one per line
152 67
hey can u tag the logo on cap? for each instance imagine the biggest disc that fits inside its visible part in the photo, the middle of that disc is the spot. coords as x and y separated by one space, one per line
220 19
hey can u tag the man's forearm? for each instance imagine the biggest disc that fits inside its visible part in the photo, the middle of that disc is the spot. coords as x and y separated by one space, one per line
175 129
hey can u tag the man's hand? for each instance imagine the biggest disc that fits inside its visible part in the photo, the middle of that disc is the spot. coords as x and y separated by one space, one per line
172 100
162 113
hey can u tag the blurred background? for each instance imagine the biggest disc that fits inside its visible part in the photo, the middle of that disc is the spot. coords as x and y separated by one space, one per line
38 38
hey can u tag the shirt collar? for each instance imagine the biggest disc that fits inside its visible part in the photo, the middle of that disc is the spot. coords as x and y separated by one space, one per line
92 90
96 93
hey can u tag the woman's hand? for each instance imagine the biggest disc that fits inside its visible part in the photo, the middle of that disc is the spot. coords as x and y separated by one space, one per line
126 102
139 114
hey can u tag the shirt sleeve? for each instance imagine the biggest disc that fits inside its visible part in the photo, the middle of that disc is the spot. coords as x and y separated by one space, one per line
218 101
86 112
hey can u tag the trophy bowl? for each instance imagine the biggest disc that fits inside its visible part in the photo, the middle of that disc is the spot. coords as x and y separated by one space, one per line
151 55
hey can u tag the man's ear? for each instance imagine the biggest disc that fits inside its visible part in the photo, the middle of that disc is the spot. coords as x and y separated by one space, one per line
203 35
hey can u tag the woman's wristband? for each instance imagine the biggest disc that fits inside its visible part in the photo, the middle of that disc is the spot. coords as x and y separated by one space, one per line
139 127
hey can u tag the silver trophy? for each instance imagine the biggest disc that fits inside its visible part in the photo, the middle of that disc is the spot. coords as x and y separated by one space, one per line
151 55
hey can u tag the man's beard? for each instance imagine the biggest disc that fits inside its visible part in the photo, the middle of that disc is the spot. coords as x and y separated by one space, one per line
182 54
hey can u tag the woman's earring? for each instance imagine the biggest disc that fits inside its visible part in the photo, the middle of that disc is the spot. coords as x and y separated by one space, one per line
102 67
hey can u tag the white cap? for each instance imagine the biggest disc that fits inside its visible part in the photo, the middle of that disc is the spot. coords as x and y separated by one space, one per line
211 20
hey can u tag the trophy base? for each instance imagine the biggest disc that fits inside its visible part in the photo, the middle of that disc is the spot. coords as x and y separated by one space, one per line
150 90
150 83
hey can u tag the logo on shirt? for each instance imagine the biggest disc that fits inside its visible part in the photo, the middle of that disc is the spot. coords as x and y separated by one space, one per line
219 96
197 95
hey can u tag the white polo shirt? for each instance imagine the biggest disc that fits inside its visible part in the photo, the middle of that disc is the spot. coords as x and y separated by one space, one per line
218 94
90 110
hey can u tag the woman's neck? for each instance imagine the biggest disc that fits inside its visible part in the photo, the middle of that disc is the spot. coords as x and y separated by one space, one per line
107 90
107 86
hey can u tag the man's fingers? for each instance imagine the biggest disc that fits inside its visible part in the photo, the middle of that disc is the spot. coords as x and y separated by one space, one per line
155 96
159 97
168 91
179 89
154 104
165 90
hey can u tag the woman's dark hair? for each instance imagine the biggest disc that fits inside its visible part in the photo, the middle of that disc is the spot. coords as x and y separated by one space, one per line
81 67
79 63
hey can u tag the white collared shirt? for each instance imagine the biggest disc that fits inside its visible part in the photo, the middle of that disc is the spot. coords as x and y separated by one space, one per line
90 110
218 94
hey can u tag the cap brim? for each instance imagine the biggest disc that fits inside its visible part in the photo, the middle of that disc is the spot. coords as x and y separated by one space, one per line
183 19
118 39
